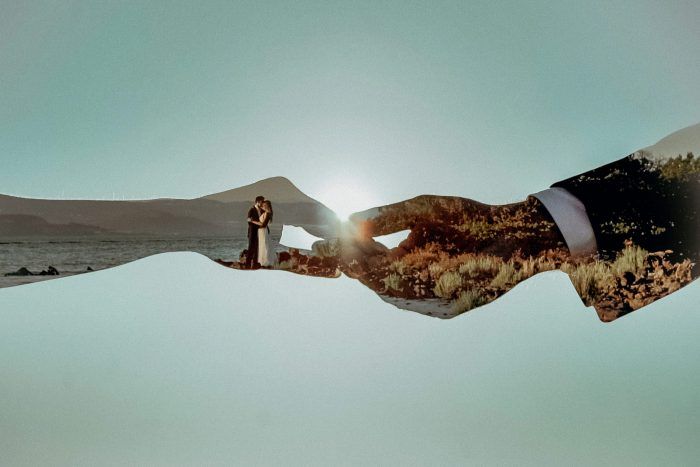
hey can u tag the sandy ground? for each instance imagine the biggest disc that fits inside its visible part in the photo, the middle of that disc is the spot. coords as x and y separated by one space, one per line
429 306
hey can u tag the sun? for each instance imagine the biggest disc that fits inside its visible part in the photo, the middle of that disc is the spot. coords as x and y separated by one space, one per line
346 196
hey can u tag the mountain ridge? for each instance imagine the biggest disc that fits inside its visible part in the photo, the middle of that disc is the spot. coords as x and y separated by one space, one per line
222 213
276 189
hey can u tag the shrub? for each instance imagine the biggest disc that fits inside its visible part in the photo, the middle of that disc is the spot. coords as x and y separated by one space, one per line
680 168
507 276
435 270
589 278
480 264
398 266
448 283
531 266
479 229
419 258
467 300
392 281
631 259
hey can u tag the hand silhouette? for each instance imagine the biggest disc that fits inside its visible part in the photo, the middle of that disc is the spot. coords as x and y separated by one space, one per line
626 234
458 255
461 254
42 239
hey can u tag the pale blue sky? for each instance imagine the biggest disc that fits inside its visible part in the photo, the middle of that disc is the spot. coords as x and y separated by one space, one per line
180 99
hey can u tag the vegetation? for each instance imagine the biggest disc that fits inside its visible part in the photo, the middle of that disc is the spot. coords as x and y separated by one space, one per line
448 284
465 254
680 168
393 282
467 300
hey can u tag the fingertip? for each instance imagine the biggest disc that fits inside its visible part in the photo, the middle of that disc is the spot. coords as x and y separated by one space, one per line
363 216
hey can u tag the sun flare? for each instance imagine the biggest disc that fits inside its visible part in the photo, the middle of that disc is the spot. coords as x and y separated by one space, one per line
345 197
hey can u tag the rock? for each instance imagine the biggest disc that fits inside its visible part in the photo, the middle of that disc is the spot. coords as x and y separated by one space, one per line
284 256
89 269
21 272
628 278
51 271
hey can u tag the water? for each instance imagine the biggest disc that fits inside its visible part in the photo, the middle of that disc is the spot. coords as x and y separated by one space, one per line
73 255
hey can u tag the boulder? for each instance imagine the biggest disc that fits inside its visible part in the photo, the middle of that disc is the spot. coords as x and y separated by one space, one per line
21 272
51 271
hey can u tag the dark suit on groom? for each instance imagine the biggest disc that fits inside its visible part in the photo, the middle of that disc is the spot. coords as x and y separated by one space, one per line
251 258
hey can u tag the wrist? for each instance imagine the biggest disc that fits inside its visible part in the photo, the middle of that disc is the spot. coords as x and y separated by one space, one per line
535 232
570 217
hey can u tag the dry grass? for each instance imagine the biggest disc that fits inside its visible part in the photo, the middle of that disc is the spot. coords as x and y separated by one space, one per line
437 262
531 266
589 278
393 282
480 229
418 258
507 276
631 259
448 283
436 270
467 300
480 264
398 266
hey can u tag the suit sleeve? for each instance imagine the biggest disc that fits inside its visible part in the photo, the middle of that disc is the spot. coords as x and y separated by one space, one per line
653 204
650 201
571 218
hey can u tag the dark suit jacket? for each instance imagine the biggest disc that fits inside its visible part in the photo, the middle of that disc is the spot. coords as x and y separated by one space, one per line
654 203
253 228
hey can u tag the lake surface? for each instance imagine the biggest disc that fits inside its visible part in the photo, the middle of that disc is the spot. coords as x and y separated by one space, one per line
73 255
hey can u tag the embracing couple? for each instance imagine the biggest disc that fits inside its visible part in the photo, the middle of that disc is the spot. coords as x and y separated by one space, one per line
261 251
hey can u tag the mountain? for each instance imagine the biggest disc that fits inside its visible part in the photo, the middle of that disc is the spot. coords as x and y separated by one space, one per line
276 189
21 225
681 142
205 216
157 217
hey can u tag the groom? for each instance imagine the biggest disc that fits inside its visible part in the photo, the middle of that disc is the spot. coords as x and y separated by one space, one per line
251 258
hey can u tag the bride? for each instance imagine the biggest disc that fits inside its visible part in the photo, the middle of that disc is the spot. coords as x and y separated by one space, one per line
267 256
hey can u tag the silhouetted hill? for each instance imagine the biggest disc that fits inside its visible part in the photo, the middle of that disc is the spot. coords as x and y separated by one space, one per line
167 216
680 142
276 189
21 225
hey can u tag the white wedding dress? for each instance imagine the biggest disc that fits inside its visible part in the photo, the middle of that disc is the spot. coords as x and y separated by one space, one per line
267 256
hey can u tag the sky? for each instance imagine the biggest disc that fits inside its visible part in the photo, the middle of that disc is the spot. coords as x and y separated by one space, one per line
175 360
139 100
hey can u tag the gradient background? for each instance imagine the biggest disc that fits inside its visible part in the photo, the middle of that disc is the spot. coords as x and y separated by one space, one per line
176 360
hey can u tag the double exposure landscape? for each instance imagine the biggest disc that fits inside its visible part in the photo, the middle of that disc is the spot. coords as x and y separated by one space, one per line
459 253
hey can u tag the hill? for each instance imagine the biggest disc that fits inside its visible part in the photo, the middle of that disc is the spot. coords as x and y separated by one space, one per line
276 189
679 143
220 214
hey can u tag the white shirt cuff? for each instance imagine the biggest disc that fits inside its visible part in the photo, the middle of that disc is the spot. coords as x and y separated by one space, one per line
570 215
